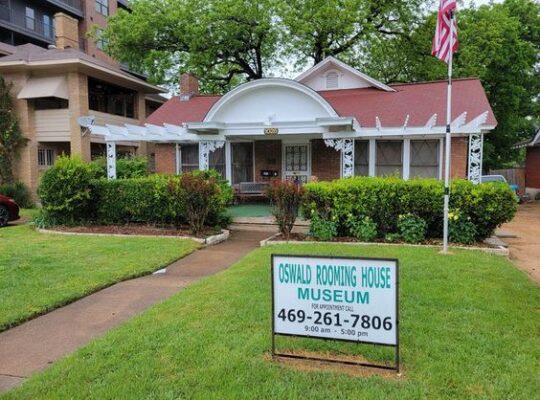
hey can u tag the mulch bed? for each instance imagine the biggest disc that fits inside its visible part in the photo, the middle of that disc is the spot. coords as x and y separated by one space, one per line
135 230
302 237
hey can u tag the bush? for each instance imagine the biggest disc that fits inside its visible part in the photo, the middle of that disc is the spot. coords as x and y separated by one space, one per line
322 229
126 167
285 198
363 228
411 229
384 199
65 191
221 200
197 193
18 192
460 228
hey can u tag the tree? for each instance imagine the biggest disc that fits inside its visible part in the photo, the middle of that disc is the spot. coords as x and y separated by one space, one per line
11 138
499 43
321 28
221 41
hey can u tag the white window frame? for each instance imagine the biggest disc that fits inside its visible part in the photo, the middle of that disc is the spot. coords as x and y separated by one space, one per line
102 7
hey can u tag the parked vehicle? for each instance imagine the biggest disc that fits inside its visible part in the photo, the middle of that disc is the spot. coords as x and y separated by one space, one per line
9 210
500 178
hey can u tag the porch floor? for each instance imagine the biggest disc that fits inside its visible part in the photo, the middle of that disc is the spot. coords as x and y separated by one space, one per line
249 210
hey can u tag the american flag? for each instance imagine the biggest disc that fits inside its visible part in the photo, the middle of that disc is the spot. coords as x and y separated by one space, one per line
441 41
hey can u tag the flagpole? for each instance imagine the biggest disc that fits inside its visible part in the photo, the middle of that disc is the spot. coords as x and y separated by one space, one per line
448 138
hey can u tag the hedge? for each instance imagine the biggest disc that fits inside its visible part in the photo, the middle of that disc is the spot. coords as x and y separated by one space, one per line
385 199
70 194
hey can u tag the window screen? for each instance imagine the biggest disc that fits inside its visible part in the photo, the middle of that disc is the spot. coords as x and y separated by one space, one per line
424 159
190 157
389 161
217 160
242 162
361 158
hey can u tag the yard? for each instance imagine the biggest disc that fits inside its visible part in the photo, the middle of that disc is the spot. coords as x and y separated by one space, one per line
40 272
469 325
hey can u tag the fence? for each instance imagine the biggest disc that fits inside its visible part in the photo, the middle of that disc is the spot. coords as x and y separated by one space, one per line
515 176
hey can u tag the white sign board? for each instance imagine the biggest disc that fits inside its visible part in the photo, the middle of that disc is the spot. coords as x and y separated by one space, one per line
352 299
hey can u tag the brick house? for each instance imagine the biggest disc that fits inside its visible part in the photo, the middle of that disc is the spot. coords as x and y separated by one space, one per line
53 87
332 121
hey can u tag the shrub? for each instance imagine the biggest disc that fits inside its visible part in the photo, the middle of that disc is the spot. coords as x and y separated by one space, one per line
197 193
363 228
18 192
126 167
65 190
384 199
285 198
222 199
412 229
461 229
322 229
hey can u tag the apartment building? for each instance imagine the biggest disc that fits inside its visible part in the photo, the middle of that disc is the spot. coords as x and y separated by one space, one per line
59 74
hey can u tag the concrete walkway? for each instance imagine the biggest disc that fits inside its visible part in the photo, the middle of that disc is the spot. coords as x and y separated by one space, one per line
36 344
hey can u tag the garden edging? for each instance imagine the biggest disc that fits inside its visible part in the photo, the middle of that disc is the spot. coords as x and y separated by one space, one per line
208 241
499 250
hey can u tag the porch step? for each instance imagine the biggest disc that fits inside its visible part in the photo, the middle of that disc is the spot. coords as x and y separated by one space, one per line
264 224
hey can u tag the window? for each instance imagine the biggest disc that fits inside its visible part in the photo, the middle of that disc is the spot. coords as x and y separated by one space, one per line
101 43
242 162
45 157
296 158
424 159
30 18
189 154
48 29
361 158
50 103
332 80
102 7
389 159
111 99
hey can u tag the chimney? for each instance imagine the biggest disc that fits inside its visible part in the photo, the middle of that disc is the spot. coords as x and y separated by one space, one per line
189 85
67 31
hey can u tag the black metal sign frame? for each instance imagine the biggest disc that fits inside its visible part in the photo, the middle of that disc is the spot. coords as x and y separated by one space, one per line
275 354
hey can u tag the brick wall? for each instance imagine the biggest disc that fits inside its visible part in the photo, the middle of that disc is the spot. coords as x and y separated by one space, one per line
532 167
267 156
91 18
325 161
165 158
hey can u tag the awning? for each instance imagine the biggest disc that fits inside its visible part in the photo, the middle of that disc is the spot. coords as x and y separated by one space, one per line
51 86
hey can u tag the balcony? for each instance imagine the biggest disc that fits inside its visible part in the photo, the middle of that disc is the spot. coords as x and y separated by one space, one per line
71 6
20 23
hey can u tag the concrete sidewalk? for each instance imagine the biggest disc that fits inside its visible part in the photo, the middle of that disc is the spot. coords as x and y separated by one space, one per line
36 344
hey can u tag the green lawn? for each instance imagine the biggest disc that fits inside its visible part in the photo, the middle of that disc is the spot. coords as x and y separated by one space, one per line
39 272
469 329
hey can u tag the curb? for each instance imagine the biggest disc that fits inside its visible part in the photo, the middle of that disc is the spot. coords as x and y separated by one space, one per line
208 241
499 251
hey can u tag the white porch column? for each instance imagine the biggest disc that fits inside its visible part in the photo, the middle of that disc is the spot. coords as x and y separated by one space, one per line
406 158
476 147
178 159
372 157
111 160
205 148
346 148
228 162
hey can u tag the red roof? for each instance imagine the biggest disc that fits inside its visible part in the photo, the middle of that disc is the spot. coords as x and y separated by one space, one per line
418 100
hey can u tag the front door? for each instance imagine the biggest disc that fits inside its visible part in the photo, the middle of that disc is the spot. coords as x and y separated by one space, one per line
296 162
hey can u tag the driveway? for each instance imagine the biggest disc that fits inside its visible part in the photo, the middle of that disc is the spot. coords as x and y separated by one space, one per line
525 246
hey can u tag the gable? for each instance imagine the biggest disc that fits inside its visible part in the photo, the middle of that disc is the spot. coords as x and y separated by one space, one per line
332 74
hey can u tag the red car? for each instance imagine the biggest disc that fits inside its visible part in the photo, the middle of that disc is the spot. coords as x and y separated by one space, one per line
9 210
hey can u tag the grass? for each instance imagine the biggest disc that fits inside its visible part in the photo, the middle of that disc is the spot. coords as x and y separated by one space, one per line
469 329
40 272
